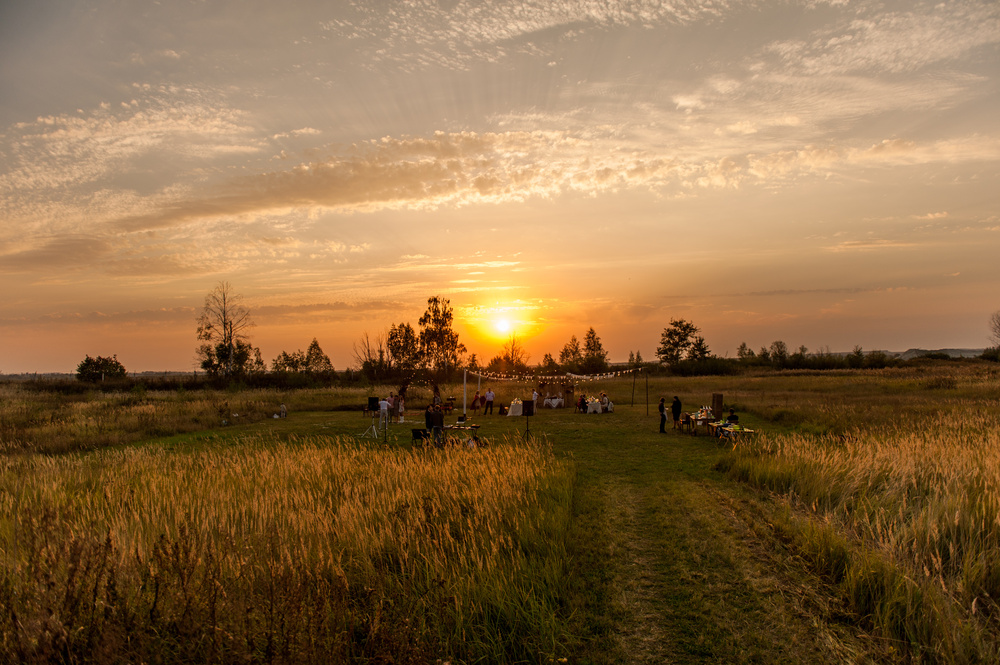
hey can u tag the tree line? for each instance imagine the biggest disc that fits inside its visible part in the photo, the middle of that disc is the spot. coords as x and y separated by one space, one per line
433 348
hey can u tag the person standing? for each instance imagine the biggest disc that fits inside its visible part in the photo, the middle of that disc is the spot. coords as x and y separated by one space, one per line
475 403
488 407
400 407
663 415
675 409
383 413
437 426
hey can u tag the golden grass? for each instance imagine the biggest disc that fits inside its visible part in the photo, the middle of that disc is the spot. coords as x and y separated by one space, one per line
907 517
451 551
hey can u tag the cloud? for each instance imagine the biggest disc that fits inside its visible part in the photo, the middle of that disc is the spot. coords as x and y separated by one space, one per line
135 318
868 245
416 35
62 251
54 162
894 42
424 173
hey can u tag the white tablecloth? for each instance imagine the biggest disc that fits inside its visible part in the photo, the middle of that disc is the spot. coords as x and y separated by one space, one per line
554 402
593 407
515 409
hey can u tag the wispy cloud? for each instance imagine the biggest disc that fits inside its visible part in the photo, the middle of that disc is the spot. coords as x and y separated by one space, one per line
456 34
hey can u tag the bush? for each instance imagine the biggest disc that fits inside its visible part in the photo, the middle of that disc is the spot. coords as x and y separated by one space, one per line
97 369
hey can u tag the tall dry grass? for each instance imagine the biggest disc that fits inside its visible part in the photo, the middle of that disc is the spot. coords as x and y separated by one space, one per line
905 518
313 550
51 422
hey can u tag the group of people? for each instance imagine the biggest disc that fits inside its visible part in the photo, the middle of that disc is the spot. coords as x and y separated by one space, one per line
434 422
390 409
484 402
607 406
675 411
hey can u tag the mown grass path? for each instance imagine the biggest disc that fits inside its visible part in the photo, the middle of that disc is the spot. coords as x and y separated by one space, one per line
674 563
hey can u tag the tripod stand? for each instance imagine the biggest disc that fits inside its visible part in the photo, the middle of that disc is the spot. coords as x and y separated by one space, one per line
372 431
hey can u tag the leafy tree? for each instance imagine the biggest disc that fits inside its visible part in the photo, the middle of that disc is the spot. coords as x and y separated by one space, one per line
289 362
439 345
242 358
224 326
676 341
779 353
745 353
99 369
699 349
549 364
315 360
856 358
403 346
473 362
595 358
571 357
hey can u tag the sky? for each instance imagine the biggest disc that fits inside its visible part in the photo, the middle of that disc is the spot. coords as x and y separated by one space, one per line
821 172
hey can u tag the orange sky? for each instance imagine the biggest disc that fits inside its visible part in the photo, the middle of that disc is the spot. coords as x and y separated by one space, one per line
820 172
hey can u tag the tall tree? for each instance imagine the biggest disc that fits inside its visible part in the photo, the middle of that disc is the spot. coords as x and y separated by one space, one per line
595 358
779 353
699 349
571 357
316 360
224 327
676 341
439 344
403 346
515 354
549 364
995 328
289 362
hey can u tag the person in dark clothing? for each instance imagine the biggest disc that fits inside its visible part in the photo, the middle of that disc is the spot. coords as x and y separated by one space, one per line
732 418
675 410
663 415
437 425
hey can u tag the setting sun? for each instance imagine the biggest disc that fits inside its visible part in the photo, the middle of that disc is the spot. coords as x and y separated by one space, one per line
502 326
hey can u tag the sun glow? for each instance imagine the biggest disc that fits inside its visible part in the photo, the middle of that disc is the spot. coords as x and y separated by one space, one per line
502 326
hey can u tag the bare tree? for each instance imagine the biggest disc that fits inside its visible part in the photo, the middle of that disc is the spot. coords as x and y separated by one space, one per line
372 355
995 328
515 353
224 326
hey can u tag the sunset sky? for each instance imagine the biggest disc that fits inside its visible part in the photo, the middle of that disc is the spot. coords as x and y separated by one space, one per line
823 172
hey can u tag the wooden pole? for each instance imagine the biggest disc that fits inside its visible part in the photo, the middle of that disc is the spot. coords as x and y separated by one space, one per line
647 394
633 388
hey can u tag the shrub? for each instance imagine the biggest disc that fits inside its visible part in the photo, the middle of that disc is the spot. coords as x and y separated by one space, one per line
99 369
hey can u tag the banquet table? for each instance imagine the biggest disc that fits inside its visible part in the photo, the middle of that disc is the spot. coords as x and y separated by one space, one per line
515 409
553 402
593 407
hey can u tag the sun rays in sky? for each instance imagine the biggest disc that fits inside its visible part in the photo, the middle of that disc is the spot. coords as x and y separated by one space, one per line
822 172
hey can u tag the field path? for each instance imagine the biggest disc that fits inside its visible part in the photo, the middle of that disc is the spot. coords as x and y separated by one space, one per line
678 564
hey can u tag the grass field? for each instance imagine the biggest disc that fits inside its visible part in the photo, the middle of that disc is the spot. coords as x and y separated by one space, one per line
861 525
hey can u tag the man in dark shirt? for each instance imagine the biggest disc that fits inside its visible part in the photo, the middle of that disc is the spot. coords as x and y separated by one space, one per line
437 426
675 410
